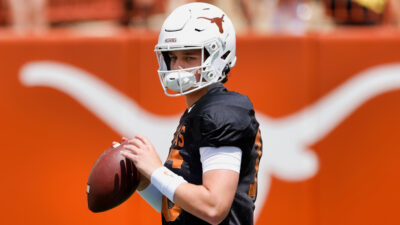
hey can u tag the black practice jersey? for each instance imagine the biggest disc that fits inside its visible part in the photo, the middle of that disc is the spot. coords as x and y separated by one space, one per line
219 118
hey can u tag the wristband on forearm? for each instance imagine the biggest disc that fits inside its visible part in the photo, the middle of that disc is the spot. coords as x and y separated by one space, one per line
166 181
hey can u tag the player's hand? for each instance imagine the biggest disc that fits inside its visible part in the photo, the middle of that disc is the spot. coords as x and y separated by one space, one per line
142 153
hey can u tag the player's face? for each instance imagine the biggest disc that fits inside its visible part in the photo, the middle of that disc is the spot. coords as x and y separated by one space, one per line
185 59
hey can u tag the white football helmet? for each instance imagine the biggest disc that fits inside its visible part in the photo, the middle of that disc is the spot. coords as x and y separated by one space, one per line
196 26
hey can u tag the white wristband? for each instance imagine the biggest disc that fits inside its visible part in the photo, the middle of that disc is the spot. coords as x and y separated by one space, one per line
166 181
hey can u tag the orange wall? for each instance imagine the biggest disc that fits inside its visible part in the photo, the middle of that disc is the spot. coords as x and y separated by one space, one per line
49 141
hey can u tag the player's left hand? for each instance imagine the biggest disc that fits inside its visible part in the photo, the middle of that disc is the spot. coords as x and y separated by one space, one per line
142 153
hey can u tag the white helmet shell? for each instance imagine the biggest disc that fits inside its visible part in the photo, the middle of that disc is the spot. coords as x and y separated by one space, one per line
196 26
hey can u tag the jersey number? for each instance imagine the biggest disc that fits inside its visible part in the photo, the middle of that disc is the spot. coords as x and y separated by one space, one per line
170 210
258 146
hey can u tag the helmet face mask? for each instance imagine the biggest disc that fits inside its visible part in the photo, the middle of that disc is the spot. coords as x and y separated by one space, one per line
196 26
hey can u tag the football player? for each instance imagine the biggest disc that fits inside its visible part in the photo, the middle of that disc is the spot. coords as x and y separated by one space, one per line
210 176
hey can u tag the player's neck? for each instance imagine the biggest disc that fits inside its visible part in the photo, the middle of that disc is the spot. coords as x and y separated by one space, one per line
194 96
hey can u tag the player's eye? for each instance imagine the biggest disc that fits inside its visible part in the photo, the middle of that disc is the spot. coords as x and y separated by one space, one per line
173 58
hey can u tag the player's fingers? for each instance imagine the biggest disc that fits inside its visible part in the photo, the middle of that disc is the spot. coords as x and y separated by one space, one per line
128 155
143 139
146 141
134 141
131 148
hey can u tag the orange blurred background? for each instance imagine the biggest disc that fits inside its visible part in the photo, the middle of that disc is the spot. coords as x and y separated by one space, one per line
50 141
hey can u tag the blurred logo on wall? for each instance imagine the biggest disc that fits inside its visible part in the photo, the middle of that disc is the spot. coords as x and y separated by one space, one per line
286 140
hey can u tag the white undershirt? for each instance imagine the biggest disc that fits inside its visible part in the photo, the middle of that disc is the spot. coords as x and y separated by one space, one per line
212 158
224 158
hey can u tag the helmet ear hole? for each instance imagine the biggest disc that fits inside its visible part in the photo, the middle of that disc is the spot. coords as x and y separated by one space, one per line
206 54
225 55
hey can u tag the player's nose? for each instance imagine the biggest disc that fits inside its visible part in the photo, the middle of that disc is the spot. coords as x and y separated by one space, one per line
177 65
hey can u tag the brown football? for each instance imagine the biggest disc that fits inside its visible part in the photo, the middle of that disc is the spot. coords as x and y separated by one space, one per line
112 180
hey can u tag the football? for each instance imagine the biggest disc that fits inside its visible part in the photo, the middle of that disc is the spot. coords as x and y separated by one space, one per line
112 180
